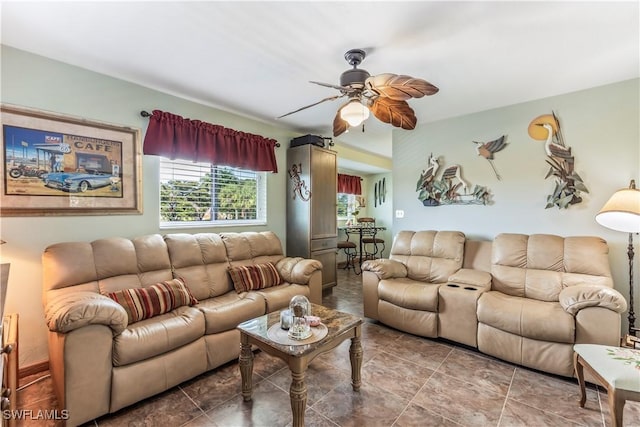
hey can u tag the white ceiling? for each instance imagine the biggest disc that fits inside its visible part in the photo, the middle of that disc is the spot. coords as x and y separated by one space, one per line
256 58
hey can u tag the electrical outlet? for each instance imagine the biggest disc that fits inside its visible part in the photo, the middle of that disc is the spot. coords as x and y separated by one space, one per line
399 213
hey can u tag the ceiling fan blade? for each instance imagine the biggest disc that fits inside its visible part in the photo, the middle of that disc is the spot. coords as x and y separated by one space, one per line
399 87
340 126
331 98
329 85
395 112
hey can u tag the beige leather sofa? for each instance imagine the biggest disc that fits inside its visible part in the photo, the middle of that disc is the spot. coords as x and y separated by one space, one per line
99 363
522 298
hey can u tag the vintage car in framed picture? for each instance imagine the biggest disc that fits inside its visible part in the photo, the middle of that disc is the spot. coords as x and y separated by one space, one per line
54 164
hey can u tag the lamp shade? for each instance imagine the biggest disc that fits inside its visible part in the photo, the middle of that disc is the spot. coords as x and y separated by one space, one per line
354 112
622 211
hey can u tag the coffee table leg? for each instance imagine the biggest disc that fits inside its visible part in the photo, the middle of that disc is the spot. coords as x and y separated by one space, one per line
355 356
298 395
246 367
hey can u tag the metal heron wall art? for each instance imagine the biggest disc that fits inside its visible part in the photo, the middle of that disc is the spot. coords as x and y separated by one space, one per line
569 185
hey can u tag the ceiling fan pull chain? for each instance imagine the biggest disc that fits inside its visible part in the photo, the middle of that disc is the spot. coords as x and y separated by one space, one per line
362 127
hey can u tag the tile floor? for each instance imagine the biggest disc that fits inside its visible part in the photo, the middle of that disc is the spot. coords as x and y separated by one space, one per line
407 381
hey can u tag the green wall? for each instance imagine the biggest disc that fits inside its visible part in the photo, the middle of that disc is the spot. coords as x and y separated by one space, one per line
601 125
33 81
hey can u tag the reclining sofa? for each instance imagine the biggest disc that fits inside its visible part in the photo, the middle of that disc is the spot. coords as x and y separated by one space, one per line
522 298
102 357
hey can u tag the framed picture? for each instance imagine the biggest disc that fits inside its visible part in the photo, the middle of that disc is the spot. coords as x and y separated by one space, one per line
60 165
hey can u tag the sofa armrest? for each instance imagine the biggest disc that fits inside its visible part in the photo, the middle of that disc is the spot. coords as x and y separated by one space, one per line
468 276
385 268
575 298
297 270
66 312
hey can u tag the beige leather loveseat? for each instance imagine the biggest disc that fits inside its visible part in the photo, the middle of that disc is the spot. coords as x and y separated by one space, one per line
523 298
101 362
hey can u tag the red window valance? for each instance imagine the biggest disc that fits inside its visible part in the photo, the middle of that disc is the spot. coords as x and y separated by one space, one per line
172 136
349 184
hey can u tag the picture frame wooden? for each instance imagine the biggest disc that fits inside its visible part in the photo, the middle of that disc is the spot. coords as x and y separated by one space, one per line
55 164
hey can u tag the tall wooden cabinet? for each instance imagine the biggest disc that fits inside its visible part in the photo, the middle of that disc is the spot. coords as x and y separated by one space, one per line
312 226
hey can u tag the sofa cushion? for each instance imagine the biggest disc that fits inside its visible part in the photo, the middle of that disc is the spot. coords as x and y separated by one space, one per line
252 247
411 294
539 320
539 266
143 303
201 259
252 277
430 256
278 297
122 263
225 312
163 333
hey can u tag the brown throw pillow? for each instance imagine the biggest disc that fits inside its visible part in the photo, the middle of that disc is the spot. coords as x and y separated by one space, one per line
251 277
143 303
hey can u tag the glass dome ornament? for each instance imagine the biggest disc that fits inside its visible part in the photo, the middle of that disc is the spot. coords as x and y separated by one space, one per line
300 308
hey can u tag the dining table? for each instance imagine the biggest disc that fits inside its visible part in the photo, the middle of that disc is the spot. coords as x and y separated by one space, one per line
361 230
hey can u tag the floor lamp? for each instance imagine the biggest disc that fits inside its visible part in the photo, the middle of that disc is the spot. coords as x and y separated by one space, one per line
622 213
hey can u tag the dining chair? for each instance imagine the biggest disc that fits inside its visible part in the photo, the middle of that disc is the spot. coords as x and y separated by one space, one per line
350 250
370 242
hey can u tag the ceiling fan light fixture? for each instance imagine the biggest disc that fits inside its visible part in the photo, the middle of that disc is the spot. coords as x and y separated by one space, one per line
354 112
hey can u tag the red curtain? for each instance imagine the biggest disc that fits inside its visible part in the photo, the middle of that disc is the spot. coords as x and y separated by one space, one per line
172 136
349 184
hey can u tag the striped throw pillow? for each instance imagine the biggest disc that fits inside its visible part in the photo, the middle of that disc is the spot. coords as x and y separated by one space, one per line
251 277
143 303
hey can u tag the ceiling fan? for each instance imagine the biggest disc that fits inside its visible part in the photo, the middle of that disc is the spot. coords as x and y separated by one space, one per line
384 95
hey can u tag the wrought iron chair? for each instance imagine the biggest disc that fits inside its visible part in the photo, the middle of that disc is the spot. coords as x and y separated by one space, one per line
372 246
350 250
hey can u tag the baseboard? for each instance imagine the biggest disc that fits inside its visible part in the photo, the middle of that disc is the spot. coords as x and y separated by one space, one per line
34 368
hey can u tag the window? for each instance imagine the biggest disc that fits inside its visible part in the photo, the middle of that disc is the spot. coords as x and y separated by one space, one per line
201 194
347 205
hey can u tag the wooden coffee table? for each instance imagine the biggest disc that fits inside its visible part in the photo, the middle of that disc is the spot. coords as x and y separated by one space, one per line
340 326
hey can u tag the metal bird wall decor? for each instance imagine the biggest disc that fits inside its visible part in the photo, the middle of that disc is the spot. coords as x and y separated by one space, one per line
488 149
444 191
569 184
384 95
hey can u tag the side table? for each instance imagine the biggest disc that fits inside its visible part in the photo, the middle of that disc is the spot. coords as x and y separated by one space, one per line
615 368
